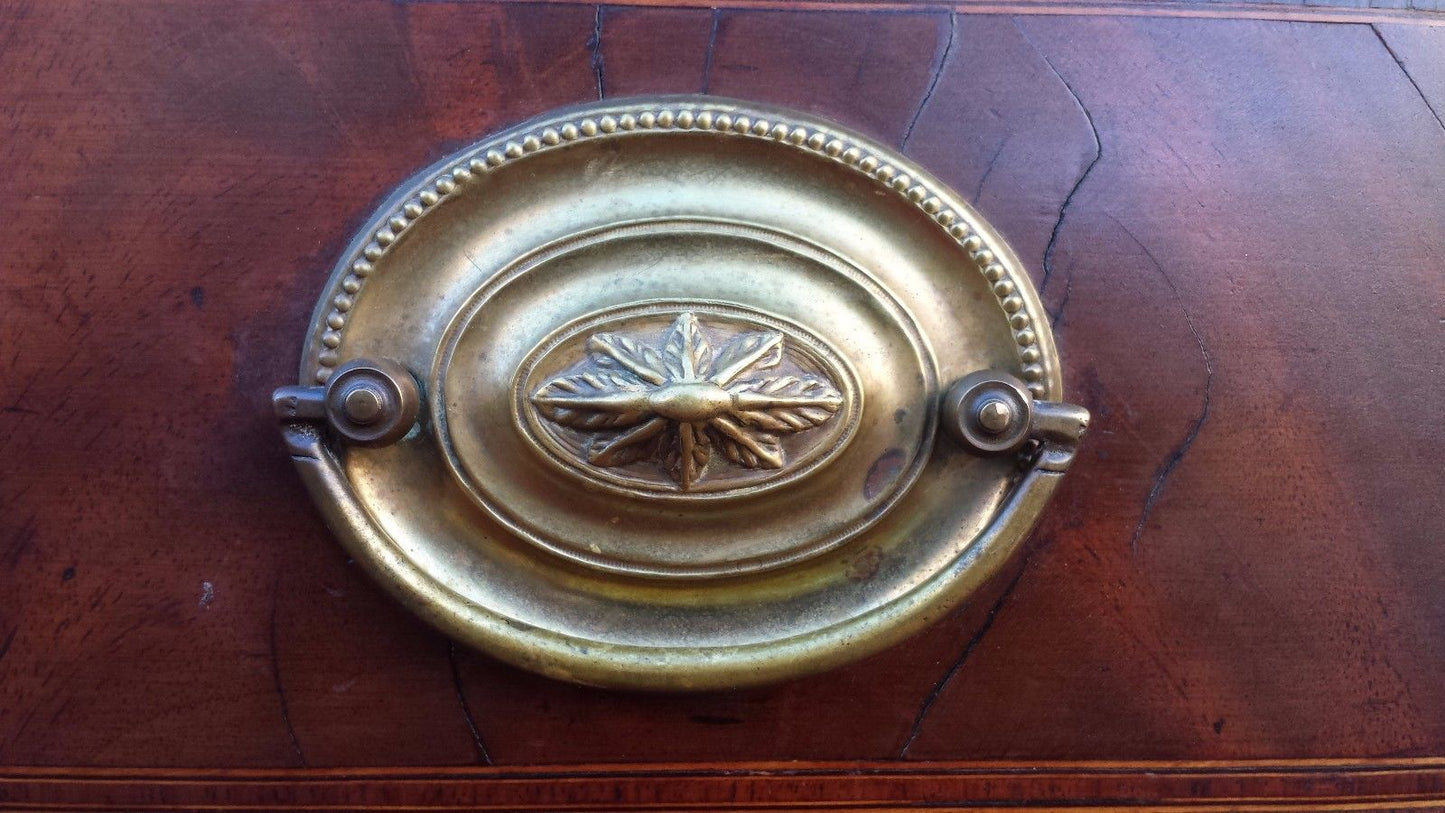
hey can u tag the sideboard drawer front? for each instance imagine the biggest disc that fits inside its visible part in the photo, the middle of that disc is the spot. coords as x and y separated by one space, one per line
1232 215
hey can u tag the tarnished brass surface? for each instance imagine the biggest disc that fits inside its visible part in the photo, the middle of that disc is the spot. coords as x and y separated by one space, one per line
682 364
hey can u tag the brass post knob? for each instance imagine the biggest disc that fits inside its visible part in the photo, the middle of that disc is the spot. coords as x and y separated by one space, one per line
993 413
371 403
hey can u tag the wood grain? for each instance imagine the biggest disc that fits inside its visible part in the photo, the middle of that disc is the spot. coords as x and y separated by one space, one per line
1239 536
1234 222
1298 786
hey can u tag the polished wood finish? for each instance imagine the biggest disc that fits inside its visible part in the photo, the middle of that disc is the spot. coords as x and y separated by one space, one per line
1236 225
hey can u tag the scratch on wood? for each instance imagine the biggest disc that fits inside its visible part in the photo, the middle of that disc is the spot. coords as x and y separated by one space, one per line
276 676
1098 153
1406 71
21 540
933 82
483 757
594 45
711 46
957 665
1167 467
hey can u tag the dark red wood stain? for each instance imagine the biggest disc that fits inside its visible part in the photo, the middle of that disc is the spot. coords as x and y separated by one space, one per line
1235 224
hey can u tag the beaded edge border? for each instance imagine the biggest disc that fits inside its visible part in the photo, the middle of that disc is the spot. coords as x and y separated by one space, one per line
468 167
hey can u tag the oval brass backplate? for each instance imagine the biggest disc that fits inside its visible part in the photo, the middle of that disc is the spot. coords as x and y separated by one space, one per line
648 393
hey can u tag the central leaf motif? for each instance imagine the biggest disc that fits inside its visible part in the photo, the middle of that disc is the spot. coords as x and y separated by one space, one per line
677 402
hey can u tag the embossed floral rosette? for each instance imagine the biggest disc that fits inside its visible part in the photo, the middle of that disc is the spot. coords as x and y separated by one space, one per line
675 403
713 400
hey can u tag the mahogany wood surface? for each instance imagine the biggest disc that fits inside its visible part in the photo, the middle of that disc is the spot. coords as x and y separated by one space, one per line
1237 221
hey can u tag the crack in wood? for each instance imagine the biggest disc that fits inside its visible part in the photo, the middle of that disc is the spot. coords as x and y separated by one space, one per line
988 170
711 46
1058 315
932 84
276 676
958 662
483 756
1416 85
1069 198
594 46
1177 454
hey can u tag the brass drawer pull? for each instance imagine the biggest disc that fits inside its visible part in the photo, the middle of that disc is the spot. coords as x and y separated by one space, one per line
648 393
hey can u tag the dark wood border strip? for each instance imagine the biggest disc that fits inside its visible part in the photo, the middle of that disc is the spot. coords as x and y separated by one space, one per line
1087 8
1315 785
